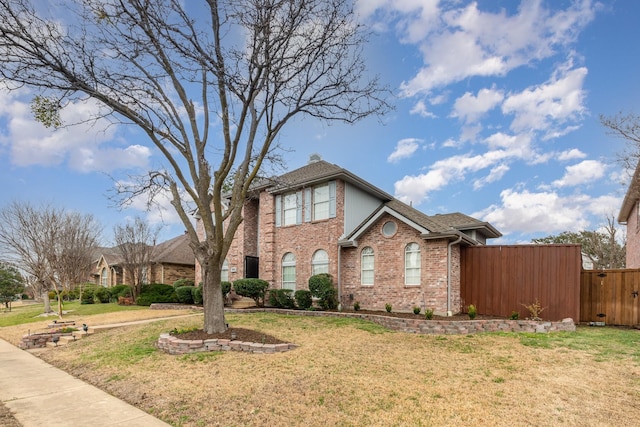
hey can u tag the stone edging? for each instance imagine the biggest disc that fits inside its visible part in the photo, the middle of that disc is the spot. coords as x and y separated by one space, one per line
172 345
423 326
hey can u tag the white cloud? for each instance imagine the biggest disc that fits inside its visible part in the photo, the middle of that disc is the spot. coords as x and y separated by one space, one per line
496 174
82 144
404 149
158 210
461 42
572 154
470 108
543 107
421 109
544 212
586 171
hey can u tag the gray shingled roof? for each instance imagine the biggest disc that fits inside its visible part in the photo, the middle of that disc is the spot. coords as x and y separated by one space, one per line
174 251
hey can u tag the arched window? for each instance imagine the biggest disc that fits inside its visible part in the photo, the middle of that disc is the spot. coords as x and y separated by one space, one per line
104 277
320 262
412 264
366 266
289 271
224 275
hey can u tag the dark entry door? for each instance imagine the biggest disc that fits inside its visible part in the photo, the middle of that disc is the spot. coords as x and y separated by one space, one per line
251 267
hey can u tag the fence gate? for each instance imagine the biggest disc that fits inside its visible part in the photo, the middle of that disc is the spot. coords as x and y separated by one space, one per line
610 296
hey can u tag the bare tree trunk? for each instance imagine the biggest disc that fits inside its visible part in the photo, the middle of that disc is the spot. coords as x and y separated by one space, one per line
47 303
213 300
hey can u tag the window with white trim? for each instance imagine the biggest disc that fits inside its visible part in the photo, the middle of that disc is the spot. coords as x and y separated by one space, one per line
104 277
412 264
319 262
224 274
366 266
321 202
289 209
289 271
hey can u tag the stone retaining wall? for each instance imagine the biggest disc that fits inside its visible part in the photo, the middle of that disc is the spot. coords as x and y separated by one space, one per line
420 326
172 345
38 340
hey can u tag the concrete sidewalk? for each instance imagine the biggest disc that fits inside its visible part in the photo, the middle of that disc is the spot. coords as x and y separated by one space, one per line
39 394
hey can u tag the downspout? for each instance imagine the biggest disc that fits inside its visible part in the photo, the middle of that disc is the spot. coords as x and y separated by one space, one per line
339 278
449 312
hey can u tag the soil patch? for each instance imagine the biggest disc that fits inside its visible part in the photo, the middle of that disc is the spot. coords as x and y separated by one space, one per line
455 317
238 334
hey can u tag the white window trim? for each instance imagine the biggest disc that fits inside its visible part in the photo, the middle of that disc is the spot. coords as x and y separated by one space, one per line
288 264
407 268
373 266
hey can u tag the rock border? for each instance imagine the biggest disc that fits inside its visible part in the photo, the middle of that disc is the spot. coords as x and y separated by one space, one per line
173 345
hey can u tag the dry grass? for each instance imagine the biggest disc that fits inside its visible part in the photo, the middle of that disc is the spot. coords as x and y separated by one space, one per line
353 373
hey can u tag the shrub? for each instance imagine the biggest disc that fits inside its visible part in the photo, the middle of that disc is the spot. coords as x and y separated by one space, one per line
102 295
356 306
252 288
514 315
321 287
387 307
156 293
226 287
184 294
196 294
472 312
534 310
183 282
120 291
303 299
428 313
416 310
88 295
281 298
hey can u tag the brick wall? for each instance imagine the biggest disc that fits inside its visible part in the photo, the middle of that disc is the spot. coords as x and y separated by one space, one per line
169 273
389 277
633 239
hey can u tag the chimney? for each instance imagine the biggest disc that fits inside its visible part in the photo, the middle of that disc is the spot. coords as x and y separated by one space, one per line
314 158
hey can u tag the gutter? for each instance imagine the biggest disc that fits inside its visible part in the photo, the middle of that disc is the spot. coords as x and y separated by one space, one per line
455 242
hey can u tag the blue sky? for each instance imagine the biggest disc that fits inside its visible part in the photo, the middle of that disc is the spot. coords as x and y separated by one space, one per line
497 108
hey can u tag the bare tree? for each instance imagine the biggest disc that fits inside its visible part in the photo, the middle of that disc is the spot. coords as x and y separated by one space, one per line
50 244
135 243
627 127
177 70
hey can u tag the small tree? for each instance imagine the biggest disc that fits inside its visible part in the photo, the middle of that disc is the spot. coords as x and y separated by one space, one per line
11 284
135 243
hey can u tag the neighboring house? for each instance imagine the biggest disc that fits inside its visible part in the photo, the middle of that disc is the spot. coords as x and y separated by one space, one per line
170 261
629 216
321 218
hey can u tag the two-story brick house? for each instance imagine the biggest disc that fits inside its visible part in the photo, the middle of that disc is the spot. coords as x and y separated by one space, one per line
321 218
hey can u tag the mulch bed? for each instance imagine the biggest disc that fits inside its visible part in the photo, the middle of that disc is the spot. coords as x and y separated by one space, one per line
244 335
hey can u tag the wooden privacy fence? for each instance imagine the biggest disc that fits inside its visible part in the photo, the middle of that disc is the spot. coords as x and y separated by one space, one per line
499 279
612 294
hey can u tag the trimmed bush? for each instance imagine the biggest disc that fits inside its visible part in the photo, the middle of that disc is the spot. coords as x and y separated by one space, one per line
428 313
281 298
252 288
226 287
185 294
120 291
321 287
196 294
102 295
303 299
156 293
472 312
356 306
183 282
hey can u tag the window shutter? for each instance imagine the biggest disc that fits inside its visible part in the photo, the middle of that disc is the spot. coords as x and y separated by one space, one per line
332 199
299 207
307 205
278 211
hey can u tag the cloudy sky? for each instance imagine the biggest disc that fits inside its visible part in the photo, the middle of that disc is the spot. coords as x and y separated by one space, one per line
497 116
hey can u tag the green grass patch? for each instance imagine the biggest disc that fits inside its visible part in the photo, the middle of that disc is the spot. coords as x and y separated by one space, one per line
31 313
605 343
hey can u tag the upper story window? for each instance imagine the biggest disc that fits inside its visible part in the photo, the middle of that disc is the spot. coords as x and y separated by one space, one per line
320 262
412 264
366 266
317 203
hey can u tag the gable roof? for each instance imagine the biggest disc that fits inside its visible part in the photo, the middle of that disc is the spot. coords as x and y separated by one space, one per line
174 251
441 226
316 172
632 196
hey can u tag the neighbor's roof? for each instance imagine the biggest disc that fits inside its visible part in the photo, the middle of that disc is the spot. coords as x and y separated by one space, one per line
632 196
174 251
